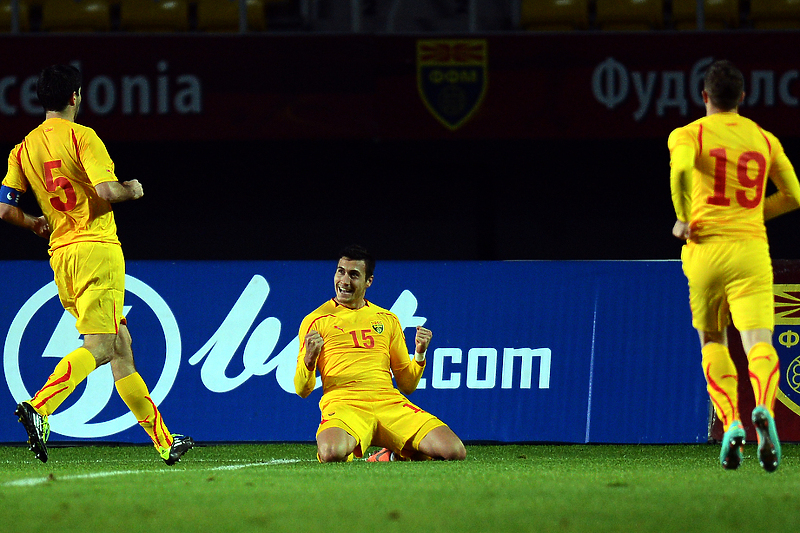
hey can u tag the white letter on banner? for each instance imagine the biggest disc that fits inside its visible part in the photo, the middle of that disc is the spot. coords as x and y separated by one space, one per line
162 83
644 91
783 88
473 381
101 83
188 99
439 381
221 347
696 80
610 83
678 79
129 85
766 79
28 97
527 355
5 107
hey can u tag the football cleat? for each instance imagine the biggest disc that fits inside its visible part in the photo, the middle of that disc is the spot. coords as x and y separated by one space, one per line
180 445
37 427
730 457
769 447
381 455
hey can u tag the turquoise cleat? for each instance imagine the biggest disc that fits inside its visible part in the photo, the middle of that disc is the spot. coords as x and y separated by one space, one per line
769 447
730 457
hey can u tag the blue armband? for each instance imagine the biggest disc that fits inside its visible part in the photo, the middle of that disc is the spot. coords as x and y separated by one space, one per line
9 196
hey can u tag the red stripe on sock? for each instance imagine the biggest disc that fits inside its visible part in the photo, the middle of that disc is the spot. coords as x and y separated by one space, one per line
719 389
718 409
759 394
156 422
40 404
774 375
66 377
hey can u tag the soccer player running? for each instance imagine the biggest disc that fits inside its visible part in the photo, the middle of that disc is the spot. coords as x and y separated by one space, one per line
72 176
720 164
355 345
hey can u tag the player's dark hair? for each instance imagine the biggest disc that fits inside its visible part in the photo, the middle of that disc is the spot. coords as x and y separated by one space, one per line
359 253
724 84
56 85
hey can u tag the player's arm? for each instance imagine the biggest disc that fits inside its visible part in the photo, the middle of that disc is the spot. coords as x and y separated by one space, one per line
100 169
787 197
115 191
682 157
13 214
305 374
407 372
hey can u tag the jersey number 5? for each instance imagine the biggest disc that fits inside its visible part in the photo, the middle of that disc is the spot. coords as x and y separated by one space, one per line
720 177
59 183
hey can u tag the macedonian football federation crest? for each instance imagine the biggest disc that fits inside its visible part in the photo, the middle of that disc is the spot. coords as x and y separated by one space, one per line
377 326
452 78
787 335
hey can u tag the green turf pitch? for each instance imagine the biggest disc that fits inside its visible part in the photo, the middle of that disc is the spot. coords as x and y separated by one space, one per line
281 488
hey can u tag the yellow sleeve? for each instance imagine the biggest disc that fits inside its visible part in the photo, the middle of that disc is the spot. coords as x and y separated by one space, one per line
15 177
407 372
94 157
681 159
304 379
787 198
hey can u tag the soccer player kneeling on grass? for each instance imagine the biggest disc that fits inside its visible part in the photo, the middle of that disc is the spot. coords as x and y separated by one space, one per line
356 346
70 172
720 164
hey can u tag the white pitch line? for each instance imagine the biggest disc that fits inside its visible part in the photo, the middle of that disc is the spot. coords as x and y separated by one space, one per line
32 481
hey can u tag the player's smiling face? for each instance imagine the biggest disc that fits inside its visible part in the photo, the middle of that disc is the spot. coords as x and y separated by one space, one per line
350 282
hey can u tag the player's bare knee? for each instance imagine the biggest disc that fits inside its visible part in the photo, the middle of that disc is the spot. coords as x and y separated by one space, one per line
331 454
101 348
101 357
456 452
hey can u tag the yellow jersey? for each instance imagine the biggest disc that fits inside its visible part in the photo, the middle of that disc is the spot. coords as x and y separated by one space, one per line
730 158
361 349
62 162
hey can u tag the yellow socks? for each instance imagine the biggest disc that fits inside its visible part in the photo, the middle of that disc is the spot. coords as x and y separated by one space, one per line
69 372
764 367
722 382
134 393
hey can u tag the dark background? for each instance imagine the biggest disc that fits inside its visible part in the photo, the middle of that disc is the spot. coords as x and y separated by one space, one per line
543 171
438 200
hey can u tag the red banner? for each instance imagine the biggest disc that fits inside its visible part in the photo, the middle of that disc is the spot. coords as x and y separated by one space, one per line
513 86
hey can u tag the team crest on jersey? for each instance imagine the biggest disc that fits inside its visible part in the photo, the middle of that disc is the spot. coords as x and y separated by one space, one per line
377 326
451 77
787 333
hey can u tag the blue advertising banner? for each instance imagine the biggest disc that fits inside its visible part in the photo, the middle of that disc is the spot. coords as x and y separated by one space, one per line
595 351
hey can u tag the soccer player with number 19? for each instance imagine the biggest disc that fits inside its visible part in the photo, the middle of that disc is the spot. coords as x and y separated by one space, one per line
67 167
719 167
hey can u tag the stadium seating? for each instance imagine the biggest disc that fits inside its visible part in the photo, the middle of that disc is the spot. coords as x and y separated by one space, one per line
629 15
775 14
554 15
717 14
5 16
154 15
75 15
223 15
